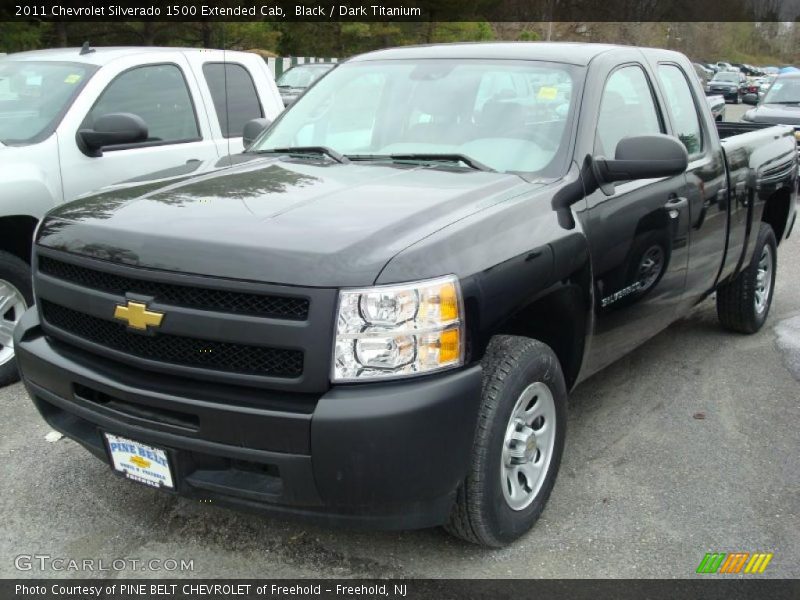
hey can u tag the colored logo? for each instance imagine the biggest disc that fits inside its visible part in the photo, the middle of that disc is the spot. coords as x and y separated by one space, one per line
140 462
734 562
136 315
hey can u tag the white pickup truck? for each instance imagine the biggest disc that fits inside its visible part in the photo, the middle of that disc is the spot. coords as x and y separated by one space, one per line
76 120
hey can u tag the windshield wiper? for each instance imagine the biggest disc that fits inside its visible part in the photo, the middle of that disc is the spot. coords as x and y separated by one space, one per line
295 150
425 157
783 102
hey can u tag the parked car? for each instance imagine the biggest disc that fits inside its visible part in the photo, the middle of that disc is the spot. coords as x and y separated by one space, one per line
731 85
717 105
375 318
751 88
294 81
764 86
780 104
703 75
75 120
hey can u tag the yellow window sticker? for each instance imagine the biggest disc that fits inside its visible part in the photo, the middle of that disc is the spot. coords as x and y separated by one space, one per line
74 78
547 93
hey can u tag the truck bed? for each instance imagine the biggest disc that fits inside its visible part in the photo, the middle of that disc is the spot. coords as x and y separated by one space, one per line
776 143
729 129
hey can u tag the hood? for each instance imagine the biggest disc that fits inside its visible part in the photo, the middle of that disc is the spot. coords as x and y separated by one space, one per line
780 114
275 220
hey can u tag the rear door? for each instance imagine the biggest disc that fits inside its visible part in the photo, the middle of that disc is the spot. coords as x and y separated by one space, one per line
159 89
706 187
236 87
638 234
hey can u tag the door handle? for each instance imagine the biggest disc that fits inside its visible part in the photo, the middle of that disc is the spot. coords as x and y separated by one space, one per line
675 204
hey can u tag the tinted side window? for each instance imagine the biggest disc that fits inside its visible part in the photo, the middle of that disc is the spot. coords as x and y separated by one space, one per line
626 109
156 93
241 98
681 105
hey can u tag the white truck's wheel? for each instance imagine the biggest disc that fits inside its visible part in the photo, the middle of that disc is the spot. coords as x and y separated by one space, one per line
15 296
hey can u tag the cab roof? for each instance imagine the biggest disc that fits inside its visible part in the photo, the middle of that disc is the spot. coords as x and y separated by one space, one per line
575 53
103 55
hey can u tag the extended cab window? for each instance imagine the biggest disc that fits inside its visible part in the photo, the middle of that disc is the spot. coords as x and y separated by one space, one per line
626 109
682 107
234 95
156 93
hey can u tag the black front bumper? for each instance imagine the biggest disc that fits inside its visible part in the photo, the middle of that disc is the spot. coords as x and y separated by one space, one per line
382 455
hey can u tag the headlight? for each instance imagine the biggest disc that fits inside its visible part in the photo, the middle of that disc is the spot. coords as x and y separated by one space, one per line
399 330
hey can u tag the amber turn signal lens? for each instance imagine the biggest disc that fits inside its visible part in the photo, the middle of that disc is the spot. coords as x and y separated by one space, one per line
449 347
448 302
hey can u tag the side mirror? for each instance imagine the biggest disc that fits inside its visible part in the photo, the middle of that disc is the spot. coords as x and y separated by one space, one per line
112 130
253 129
643 157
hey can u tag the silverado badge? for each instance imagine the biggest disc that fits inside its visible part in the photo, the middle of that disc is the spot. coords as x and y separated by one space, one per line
136 315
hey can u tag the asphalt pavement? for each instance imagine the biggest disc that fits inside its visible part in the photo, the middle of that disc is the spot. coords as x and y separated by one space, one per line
688 445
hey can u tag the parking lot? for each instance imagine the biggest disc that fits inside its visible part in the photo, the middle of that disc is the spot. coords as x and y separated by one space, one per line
688 445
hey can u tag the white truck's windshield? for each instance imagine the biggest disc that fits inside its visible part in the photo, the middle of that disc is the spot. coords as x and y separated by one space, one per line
784 91
303 76
34 97
510 116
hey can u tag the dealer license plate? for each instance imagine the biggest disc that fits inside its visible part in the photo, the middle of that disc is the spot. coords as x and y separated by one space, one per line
140 462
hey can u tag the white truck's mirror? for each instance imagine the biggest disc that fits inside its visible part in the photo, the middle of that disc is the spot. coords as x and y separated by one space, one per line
252 129
112 130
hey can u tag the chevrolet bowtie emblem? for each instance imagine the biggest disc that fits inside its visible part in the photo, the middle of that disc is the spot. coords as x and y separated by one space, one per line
136 315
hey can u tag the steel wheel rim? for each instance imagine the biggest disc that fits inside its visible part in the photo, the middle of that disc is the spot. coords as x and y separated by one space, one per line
528 446
12 305
763 280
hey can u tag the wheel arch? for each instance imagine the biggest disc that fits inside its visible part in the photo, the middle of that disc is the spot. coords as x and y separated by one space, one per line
776 212
16 235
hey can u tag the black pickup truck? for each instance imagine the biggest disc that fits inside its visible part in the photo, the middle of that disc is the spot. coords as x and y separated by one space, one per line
374 317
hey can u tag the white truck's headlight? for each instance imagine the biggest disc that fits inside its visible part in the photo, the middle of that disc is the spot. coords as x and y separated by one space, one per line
399 330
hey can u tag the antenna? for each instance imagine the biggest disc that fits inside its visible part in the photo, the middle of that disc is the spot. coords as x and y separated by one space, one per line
86 49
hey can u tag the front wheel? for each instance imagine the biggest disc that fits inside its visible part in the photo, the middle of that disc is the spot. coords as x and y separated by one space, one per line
743 303
16 294
518 443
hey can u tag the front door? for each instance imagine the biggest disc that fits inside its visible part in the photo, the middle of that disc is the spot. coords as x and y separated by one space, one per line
162 95
638 234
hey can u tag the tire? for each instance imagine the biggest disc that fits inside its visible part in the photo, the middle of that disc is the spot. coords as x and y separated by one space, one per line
743 303
15 285
512 367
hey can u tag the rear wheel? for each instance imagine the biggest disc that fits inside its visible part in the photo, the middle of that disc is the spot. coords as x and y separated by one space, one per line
16 295
518 443
743 303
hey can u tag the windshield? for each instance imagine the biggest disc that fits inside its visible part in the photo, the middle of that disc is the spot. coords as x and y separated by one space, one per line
730 77
784 91
508 115
34 96
301 77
